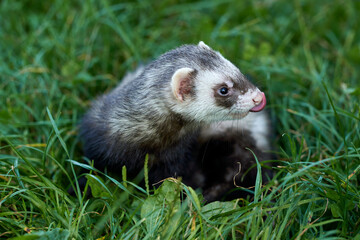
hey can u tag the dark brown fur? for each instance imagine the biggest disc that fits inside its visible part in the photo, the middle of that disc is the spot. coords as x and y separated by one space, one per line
226 163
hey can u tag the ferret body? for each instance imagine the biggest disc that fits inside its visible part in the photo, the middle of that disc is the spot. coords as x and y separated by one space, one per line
168 109
225 158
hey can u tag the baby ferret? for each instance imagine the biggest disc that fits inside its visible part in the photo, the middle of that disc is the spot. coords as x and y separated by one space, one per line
168 110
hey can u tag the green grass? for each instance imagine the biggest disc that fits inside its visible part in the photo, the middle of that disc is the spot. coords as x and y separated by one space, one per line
57 56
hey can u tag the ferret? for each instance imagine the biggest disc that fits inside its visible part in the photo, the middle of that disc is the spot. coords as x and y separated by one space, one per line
170 109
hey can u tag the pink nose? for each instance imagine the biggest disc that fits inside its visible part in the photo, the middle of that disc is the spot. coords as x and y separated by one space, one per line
259 101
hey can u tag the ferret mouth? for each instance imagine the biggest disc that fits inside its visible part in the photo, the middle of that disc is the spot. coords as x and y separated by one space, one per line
260 102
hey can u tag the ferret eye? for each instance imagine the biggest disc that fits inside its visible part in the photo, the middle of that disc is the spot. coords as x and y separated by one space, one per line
223 91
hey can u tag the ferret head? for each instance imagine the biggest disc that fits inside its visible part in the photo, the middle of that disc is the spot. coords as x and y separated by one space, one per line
213 89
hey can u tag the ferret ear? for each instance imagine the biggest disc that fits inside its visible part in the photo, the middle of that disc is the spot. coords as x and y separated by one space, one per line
182 83
203 45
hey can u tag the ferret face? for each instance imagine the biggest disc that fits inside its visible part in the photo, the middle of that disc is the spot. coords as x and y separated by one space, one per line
226 97
216 94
